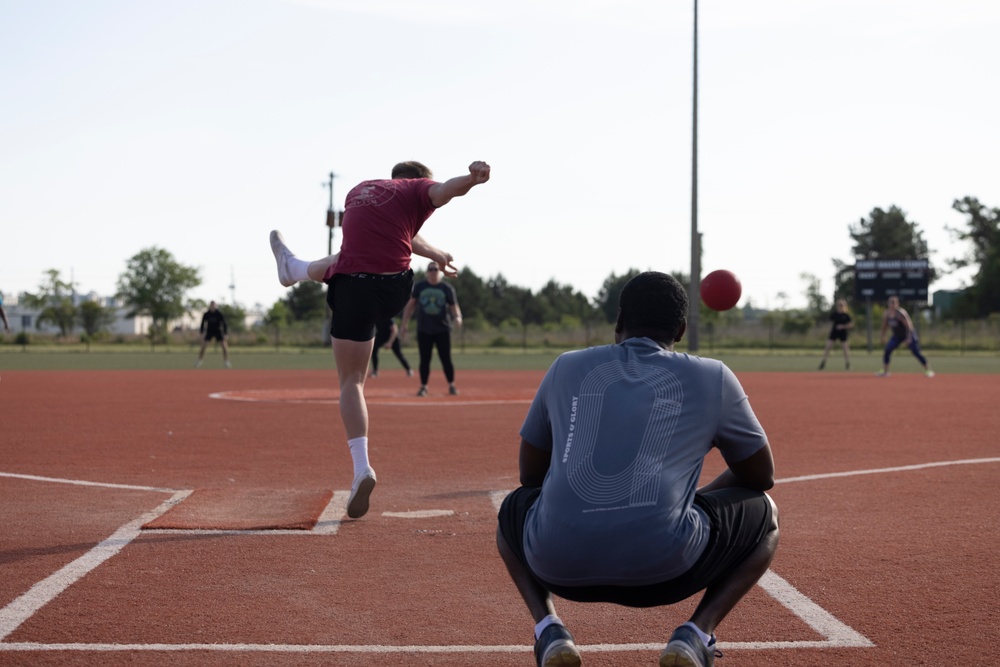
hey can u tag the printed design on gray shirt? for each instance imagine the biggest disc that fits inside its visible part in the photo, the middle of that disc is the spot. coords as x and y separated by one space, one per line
638 483
433 300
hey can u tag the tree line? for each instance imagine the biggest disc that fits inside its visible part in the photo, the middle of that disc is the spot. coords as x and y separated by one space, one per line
155 284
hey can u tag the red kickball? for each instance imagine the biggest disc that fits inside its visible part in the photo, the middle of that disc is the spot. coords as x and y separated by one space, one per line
721 290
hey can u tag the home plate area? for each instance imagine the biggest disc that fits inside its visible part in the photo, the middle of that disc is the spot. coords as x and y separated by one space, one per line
245 509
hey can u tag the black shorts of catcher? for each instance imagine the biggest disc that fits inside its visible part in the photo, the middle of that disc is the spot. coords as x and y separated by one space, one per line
740 519
359 300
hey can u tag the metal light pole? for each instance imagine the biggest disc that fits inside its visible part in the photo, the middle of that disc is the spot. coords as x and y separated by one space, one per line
331 216
694 295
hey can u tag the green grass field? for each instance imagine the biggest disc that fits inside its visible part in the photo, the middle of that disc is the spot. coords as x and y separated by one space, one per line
183 357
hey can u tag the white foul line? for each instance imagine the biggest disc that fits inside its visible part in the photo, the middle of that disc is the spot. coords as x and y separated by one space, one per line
46 590
880 471
836 633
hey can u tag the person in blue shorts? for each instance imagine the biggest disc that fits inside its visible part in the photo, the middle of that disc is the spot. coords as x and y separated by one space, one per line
609 508
896 320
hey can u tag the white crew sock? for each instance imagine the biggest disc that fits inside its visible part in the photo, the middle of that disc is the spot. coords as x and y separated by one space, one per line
359 452
546 622
298 269
705 638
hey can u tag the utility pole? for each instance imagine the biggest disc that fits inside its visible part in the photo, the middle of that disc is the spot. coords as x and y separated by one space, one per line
331 215
694 295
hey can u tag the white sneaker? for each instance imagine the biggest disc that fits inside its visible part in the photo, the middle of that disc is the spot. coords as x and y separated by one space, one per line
228 364
197 364
929 373
281 255
361 491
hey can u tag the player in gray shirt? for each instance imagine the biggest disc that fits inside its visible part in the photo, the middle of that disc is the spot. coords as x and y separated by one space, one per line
609 509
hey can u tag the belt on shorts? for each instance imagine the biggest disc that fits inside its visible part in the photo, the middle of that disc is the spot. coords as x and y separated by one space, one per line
379 276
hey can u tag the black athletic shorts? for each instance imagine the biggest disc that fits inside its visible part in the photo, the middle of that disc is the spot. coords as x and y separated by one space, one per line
216 334
838 334
739 519
359 300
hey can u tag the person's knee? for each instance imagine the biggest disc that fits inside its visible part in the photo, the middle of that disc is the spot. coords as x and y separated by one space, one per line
774 513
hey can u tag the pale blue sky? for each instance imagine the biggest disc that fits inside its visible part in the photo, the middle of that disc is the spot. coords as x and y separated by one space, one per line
200 125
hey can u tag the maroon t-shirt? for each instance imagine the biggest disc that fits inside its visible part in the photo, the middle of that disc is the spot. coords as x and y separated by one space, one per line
380 220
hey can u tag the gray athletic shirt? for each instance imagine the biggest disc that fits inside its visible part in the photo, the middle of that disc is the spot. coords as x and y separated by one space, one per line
629 426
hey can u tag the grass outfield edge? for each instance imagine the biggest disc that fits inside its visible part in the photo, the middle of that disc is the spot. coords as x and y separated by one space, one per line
14 358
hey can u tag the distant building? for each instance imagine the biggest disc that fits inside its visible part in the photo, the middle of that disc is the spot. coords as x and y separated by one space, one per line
23 318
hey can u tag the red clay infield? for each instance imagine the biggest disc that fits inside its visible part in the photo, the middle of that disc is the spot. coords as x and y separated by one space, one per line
887 490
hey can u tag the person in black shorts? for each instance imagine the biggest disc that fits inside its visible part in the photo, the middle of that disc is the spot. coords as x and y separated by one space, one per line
213 327
369 280
612 448
840 323
387 336
436 305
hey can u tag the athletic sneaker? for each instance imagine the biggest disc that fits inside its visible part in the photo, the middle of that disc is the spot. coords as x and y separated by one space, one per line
361 491
281 255
228 364
686 649
882 374
422 392
409 372
197 364
555 648
822 365
452 390
929 373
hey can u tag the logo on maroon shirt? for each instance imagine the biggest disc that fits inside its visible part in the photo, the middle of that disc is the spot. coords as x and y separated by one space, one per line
371 193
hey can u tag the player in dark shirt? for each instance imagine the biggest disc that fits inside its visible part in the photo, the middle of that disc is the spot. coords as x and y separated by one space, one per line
841 323
437 310
213 326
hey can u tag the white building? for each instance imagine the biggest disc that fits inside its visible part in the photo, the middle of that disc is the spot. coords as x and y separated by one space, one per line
23 318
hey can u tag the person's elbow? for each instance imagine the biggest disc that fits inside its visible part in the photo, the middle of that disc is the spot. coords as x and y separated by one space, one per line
757 471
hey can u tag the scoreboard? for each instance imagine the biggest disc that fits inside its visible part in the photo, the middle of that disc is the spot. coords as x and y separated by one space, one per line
878 279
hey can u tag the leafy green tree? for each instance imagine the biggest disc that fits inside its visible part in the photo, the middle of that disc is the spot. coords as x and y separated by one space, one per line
818 305
278 315
236 317
55 301
154 284
561 301
611 289
473 294
982 233
94 318
307 302
882 235
503 301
